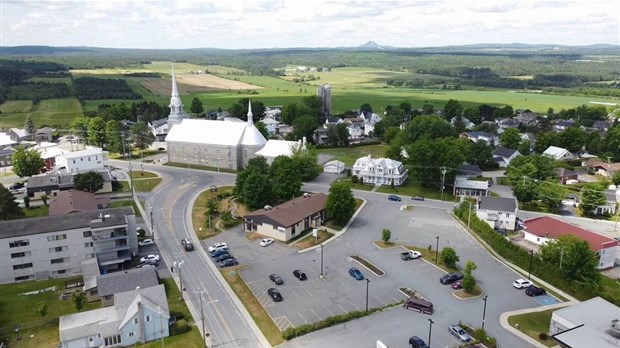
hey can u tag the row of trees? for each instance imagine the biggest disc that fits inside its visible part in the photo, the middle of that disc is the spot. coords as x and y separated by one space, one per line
91 88
37 91
109 135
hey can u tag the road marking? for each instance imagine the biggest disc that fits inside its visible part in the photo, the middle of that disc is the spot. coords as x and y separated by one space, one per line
344 310
295 293
302 317
330 312
313 312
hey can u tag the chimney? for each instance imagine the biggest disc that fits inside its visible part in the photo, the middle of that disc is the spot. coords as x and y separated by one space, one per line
141 321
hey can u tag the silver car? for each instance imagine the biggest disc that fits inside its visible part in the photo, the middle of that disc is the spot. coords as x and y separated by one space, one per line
459 333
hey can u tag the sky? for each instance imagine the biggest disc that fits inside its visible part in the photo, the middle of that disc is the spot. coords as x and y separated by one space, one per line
249 24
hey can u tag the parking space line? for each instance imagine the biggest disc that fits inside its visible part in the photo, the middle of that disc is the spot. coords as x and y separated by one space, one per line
307 292
344 310
379 300
302 317
313 312
330 312
295 293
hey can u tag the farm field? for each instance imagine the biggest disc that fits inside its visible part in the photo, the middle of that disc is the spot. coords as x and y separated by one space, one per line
53 112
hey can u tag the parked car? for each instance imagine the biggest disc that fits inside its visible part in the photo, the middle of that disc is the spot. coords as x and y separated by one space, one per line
228 263
417 198
450 278
410 255
223 257
356 274
218 253
16 186
187 244
266 242
299 275
146 242
418 305
274 294
217 246
417 342
535 291
393 198
150 257
522 283
276 279
458 332
457 285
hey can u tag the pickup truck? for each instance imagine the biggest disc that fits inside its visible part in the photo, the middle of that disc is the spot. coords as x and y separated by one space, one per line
410 255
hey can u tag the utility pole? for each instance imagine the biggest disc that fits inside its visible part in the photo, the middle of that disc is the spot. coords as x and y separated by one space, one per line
469 216
444 170
123 135
430 330
484 311
367 283
561 256
321 260
437 251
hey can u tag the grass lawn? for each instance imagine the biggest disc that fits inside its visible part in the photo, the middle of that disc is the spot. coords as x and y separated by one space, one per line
200 221
357 186
37 212
412 188
127 203
332 224
22 308
611 288
309 240
40 336
141 185
429 255
465 295
532 324
52 112
191 339
349 155
137 174
250 302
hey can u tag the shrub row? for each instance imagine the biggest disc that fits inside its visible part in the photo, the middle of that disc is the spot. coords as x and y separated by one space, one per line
301 330
521 258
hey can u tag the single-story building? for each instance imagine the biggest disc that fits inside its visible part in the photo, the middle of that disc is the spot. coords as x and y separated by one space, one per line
466 187
19 134
43 134
116 282
567 175
335 167
586 324
558 153
73 201
498 212
602 168
289 219
51 184
542 230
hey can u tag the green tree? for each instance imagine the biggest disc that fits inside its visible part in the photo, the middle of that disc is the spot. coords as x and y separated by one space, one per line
577 261
79 300
79 127
452 109
390 134
42 309
524 147
340 204
481 154
611 144
431 127
428 109
304 126
332 135
141 136
256 164
469 282
306 161
366 107
551 194
573 139
289 113
286 178
26 162
240 109
113 131
533 166
616 178
196 107
29 127
257 190
262 129
343 134
96 132
386 234
592 196
449 257
44 199
511 138
472 113
9 209
88 182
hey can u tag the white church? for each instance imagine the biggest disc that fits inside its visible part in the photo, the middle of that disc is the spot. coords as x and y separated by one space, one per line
218 144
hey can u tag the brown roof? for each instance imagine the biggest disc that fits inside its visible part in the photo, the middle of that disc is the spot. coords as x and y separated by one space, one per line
291 212
72 201
612 167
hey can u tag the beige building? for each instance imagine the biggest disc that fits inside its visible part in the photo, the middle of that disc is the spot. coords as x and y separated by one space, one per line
289 219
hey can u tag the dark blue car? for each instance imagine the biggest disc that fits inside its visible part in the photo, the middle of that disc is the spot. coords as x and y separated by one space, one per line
393 198
356 274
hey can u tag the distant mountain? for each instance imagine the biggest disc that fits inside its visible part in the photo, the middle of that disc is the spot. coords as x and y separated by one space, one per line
370 44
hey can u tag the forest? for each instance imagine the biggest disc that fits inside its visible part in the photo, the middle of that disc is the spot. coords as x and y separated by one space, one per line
92 88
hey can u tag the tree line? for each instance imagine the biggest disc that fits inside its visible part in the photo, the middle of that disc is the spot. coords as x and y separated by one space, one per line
92 88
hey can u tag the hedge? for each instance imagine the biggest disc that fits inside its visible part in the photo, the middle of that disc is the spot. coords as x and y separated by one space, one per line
301 330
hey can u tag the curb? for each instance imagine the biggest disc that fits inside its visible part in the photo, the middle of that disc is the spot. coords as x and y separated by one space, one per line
369 270
503 321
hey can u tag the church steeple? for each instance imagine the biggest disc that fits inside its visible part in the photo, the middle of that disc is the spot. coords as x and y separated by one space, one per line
175 90
250 121
176 106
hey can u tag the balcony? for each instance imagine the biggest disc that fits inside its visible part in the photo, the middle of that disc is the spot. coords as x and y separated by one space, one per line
111 245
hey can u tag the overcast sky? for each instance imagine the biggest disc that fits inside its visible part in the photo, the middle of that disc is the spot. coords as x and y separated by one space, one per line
305 23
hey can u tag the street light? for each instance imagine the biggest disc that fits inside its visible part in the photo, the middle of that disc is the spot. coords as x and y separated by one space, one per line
179 266
202 317
367 283
321 260
437 251
531 258
17 332
484 311
430 329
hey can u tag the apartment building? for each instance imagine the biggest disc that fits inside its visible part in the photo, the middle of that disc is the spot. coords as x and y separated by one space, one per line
45 247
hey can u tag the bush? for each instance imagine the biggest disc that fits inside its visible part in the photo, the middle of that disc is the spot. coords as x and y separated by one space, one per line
141 232
348 172
543 336
354 179
180 327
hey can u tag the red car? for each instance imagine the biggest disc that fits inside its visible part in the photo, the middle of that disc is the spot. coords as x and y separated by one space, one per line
457 285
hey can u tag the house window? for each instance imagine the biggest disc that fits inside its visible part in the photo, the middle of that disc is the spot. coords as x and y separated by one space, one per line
59 260
130 334
22 266
26 277
19 243
21 254
87 234
56 237
59 272
88 245
58 249
135 320
507 214
74 161
148 318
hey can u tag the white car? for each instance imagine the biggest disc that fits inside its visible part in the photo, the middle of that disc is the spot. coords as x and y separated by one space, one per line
217 246
146 242
265 242
522 283
150 257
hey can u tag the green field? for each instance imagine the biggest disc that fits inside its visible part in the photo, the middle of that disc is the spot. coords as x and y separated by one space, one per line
15 106
57 113
350 154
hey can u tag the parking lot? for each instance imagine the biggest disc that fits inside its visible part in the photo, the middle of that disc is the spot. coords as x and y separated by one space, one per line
338 293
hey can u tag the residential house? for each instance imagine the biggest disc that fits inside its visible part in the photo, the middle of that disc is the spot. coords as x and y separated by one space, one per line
498 212
138 316
526 118
334 121
356 132
49 246
6 157
503 156
44 135
380 171
558 153
289 219
545 229
159 128
49 154
561 125
89 159
602 125
335 167
467 124
6 141
75 201
587 324
567 176
131 279
273 112
18 135
271 125
602 168
469 171
51 184
488 138
470 188
506 123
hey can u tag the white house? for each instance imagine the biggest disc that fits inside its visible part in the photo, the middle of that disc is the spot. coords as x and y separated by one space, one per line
503 156
138 316
274 148
545 229
558 153
271 125
466 187
89 159
498 212
335 167
380 171
355 132
592 323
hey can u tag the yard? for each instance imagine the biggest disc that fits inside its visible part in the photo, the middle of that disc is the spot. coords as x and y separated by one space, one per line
532 324
37 211
142 185
413 188
201 222
127 203
349 155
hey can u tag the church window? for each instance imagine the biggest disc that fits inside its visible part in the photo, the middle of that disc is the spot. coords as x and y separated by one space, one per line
245 153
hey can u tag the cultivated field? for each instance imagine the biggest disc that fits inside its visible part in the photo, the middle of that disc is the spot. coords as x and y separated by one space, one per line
189 84
57 113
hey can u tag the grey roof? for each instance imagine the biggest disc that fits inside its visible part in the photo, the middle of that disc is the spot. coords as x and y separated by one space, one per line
30 226
90 271
504 152
563 172
463 182
469 169
7 151
595 315
44 130
113 283
497 204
